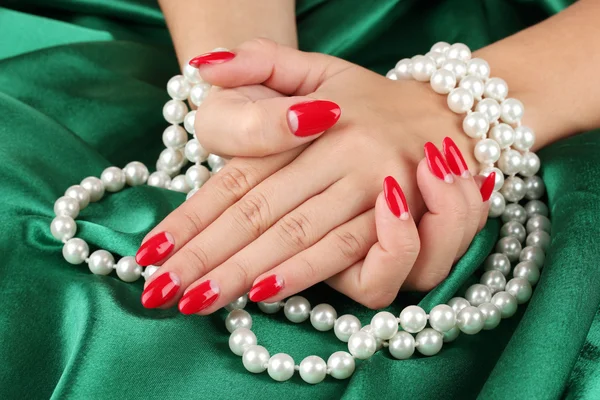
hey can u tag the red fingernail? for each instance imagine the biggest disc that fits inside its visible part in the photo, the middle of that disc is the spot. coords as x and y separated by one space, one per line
312 117
266 288
199 298
214 57
160 290
155 249
455 159
437 164
395 198
487 187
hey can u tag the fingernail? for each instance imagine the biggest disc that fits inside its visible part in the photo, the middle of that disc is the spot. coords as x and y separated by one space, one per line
455 159
312 117
214 57
199 298
437 164
160 290
487 187
155 249
266 288
395 198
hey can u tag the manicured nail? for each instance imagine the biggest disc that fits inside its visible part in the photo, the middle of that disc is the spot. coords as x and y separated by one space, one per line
266 288
155 249
395 198
312 117
455 159
199 298
487 187
437 164
160 290
214 57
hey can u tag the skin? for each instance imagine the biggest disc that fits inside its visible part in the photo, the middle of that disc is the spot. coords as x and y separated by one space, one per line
306 212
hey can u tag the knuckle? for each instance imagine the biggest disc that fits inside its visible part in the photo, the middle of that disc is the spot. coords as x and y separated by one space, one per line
193 223
195 258
294 230
251 126
234 182
309 269
253 212
350 245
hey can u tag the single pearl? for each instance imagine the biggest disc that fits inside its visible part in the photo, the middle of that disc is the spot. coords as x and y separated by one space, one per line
538 222
539 238
442 318
460 100
413 319
497 204
270 308
403 69
487 151
384 325
470 320
476 125
440 47
313 370
528 270
478 294
238 319
174 111
215 161
457 67
79 193
534 207
513 189
504 134
345 326
438 58
195 152
255 359
532 253
491 315
170 170
535 189
442 81
378 342
391 74
136 173
75 251
402 345
362 345
297 309
496 88
323 317
458 303
66 206
237 304
341 365
191 73
512 111
495 279
490 108
94 187
429 342
197 175
174 137
170 157
530 164
506 303
240 340
113 179
149 271
178 87
101 262
524 138
128 270
499 177
509 246
189 122
510 161
459 51
422 68
280 367
514 212
520 288
451 335
198 93
473 84
479 68
159 179
515 229
497 262
63 227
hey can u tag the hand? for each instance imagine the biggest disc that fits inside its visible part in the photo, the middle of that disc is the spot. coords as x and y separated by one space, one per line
307 213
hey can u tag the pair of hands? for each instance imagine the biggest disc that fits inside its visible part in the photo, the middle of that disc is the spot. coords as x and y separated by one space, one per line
289 211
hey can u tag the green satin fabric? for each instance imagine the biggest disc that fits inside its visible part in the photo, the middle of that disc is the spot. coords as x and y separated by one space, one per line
81 88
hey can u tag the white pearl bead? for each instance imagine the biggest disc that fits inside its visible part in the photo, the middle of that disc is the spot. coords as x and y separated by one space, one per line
458 303
113 179
459 51
491 315
149 271
470 320
240 340
199 93
174 111
345 326
512 111
391 74
189 121
323 317
473 84
476 125
174 137
422 68
197 175
297 309
479 68
191 74
101 262
169 170
513 189
75 251
457 67
384 325
255 359
341 365
159 179
451 335
179 184
499 180
496 88
178 87
136 173
80 194
94 187
281 367
497 205
510 161
478 294
438 58
403 69
442 318
170 158
440 47
504 134
429 342
494 280
413 319
63 227
520 289
195 152
490 108
506 303
128 270
215 161
402 345
313 370
528 270
487 151
191 193
237 304
66 206
460 100
443 81
270 308
238 319
362 345
530 164
378 342
524 138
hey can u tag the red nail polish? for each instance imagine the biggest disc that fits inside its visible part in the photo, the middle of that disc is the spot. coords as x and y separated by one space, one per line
214 57
395 198
437 164
155 249
160 290
455 159
199 298
487 187
266 288
312 117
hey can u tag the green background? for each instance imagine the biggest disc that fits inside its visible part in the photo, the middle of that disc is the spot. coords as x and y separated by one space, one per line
82 84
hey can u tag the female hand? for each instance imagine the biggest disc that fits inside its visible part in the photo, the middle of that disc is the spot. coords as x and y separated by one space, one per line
306 214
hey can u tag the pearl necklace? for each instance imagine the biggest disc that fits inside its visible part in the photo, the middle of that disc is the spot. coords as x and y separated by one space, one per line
484 101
